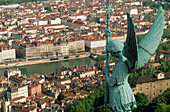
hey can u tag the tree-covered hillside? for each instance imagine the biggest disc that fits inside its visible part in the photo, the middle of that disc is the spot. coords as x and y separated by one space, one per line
154 5
95 103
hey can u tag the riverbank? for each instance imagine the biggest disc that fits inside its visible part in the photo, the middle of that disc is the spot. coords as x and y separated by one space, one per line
32 62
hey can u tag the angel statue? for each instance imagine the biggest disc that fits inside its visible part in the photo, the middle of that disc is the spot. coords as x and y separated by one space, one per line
132 56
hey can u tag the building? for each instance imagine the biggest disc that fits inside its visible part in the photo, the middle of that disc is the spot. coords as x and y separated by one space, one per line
34 50
80 45
95 44
61 49
5 106
101 65
3 88
7 53
71 95
17 91
63 81
37 78
46 49
12 72
34 88
19 99
18 79
151 85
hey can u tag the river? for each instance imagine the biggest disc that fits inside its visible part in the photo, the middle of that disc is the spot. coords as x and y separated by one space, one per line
45 68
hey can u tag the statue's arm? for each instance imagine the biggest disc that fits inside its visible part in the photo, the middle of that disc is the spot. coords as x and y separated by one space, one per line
118 74
109 79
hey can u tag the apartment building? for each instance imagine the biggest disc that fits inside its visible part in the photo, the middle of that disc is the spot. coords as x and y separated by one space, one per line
63 49
46 49
151 85
12 72
7 53
80 45
34 88
34 50
95 44
16 91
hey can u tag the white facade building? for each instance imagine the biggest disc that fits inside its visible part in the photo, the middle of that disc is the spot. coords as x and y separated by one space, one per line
15 91
42 22
64 50
96 45
56 21
134 11
7 54
12 72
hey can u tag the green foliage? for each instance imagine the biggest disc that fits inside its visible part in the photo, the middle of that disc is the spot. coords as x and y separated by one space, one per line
142 102
166 33
93 103
149 71
160 102
161 60
162 107
103 57
164 46
165 66
48 9
66 57
104 52
77 55
155 5
54 59
140 37
146 17
102 108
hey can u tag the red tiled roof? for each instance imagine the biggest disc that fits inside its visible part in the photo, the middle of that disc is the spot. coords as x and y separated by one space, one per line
35 77
163 51
42 102
19 98
12 87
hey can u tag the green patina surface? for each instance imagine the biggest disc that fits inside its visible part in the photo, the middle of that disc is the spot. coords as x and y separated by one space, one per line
132 56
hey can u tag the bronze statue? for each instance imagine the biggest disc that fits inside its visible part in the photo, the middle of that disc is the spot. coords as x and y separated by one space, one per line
132 56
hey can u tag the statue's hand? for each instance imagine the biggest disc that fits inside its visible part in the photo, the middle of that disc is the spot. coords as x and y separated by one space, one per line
106 70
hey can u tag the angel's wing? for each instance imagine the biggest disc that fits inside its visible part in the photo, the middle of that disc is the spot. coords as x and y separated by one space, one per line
150 42
130 50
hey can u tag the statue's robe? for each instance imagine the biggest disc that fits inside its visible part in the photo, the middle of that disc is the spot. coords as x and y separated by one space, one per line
121 98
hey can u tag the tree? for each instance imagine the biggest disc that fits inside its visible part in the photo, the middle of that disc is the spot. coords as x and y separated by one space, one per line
155 102
140 37
88 107
161 60
136 74
142 102
78 107
161 107
102 108
48 9
163 67
166 33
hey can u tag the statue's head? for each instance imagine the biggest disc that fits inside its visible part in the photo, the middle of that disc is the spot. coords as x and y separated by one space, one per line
115 47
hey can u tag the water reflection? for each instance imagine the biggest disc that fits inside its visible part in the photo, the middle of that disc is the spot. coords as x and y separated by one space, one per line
45 68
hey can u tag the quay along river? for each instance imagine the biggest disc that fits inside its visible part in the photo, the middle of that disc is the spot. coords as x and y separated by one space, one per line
46 68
